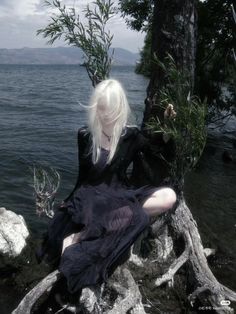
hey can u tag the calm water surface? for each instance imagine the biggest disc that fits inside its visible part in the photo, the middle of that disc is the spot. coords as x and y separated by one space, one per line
39 118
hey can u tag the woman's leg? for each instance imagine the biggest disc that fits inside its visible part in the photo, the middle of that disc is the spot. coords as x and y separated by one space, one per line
160 201
71 239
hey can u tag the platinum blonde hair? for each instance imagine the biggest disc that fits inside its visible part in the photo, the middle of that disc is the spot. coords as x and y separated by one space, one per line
110 96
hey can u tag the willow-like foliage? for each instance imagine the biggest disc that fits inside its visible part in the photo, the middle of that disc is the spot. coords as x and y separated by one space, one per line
187 129
92 36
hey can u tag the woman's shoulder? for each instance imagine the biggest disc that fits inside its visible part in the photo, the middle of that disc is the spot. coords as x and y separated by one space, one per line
83 131
135 134
132 130
83 134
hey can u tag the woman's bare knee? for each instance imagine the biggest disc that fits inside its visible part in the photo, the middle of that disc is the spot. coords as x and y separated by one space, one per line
169 198
160 201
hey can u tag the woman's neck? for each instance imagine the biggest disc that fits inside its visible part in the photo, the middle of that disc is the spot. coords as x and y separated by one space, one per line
108 129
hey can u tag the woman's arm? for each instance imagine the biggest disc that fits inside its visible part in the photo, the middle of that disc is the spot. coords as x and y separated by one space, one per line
158 143
152 153
146 154
82 140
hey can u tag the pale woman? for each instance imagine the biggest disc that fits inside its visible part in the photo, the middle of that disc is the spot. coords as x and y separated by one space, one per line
104 214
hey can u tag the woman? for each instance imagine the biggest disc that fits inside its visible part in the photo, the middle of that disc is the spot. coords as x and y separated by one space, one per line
102 217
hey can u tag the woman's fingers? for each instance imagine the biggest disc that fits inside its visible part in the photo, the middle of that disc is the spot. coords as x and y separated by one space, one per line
170 112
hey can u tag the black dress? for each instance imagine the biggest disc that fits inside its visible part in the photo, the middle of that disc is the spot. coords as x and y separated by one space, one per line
104 208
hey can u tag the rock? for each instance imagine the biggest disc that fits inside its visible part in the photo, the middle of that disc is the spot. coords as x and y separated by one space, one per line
13 233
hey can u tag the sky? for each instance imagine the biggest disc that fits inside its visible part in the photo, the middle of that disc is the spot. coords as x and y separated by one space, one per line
20 19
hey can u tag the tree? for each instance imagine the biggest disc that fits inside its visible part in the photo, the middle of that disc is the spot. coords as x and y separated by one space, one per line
187 129
215 66
145 63
174 30
138 16
139 13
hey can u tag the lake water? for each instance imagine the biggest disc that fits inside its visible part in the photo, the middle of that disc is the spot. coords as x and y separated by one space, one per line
39 118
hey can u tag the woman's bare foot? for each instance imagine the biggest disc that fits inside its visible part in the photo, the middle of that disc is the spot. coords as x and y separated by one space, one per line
71 239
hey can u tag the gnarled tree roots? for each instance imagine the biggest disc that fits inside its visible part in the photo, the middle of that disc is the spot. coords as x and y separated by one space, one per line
122 295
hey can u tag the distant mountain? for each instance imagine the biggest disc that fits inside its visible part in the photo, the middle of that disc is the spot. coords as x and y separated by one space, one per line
59 55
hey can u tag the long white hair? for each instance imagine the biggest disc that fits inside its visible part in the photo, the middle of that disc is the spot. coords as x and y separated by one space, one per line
110 96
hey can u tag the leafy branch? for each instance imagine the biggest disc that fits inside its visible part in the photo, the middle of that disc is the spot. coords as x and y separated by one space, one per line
93 38
188 129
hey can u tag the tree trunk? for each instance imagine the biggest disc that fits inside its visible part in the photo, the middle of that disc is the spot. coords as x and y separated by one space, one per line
174 30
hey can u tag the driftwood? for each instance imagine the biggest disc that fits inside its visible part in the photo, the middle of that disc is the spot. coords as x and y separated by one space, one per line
121 294
33 295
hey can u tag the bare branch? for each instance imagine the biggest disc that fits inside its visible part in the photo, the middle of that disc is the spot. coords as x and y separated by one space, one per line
33 295
174 267
46 184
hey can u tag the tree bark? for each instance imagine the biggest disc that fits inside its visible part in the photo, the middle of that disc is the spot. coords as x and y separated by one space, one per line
174 31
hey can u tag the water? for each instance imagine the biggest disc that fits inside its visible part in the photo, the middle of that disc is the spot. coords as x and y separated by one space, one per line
210 193
39 118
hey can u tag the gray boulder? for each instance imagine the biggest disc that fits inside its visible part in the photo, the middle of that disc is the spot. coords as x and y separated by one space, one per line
13 233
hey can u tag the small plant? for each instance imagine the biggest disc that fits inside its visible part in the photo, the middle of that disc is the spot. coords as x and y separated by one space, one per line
187 129
46 184
92 38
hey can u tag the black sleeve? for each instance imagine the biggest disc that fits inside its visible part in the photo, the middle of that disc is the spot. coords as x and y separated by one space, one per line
149 165
82 139
152 147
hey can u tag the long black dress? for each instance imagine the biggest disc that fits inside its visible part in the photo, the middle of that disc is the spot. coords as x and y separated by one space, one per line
104 208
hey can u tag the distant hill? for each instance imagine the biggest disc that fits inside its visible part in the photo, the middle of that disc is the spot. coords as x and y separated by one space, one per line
59 55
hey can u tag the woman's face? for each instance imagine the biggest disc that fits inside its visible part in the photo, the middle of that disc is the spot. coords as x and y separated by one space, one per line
104 114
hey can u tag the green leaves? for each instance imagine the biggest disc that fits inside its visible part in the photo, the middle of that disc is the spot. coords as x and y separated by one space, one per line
187 129
215 64
138 13
93 38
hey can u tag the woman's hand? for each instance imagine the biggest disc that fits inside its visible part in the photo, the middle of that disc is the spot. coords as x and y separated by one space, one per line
170 113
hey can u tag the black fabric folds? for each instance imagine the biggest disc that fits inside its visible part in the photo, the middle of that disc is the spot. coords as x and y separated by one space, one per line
104 208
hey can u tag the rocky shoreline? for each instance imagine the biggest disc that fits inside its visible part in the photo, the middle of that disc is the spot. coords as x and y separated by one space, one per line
19 270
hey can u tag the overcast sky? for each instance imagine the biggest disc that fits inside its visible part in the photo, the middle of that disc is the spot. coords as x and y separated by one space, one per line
19 20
